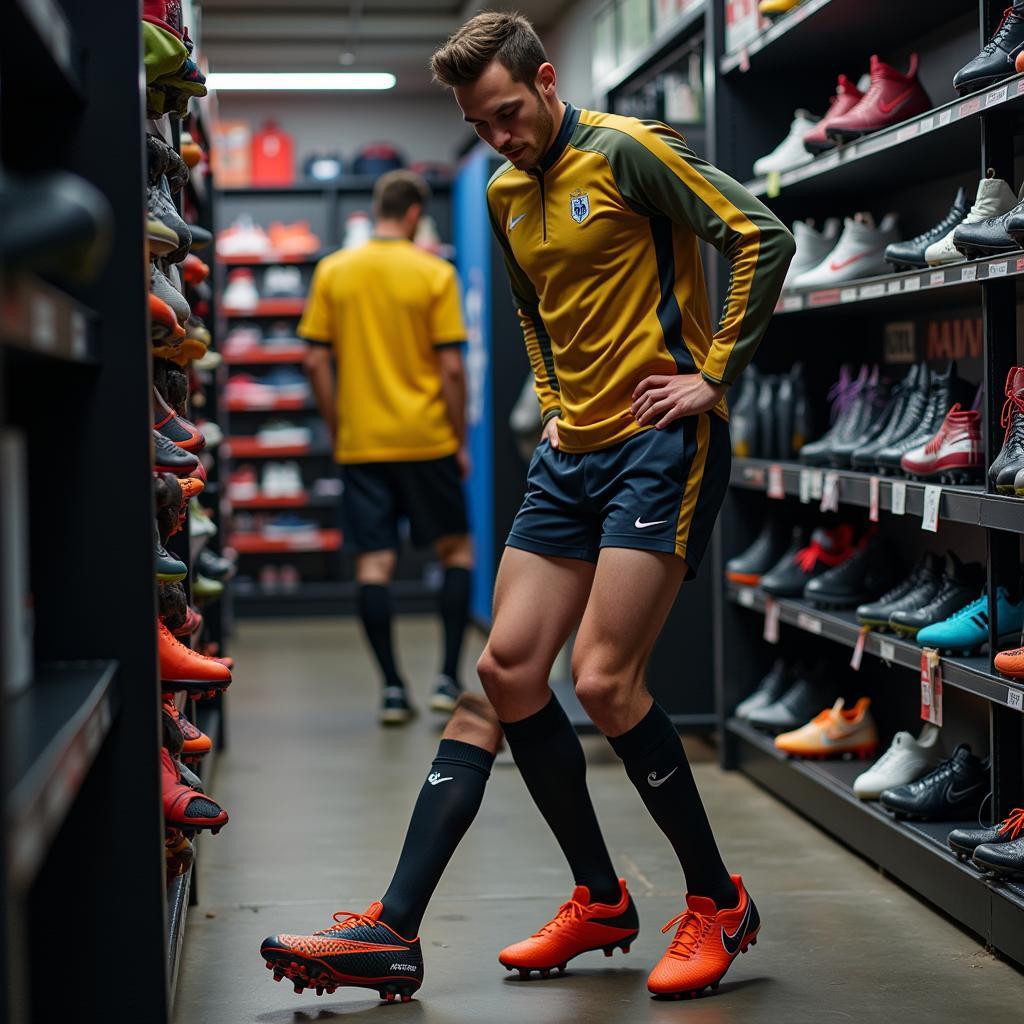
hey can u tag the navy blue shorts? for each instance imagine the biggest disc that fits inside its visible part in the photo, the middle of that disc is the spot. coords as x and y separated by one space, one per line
659 490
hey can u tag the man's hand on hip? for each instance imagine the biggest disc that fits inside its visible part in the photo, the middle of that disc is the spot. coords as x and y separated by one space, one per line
550 432
660 400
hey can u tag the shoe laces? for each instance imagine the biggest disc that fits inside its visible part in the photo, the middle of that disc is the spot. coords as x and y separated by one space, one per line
808 557
1005 23
348 919
972 609
1012 416
692 927
571 910
1013 824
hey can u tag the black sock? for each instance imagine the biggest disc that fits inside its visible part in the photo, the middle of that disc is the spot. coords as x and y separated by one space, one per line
375 613
656 764
446 807
454 607
550 759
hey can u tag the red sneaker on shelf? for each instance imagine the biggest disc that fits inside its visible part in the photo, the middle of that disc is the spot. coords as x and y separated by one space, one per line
955 454
892 98
846 97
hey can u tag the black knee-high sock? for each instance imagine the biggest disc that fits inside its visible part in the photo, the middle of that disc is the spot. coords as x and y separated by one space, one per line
454 607
375 613
656 764
446 807
550 759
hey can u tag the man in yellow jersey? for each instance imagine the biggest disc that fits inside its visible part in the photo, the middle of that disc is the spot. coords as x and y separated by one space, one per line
389 314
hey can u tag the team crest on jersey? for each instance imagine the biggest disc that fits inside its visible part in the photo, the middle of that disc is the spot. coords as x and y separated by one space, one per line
579 205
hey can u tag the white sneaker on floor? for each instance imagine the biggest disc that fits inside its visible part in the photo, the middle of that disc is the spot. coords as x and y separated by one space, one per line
790 152
860 252
812 246
905 761
994 198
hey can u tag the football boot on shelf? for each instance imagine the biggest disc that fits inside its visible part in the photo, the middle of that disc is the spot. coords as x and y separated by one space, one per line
994 198
833 732
162 286
775 8
872 570
865 422
955 455
847 96
827 548
1011 662
988 237
892 98
906 760
797 705
907 403
998 56
747 568
169 458
966 631
184 808
957 588
357 951
706 942
181 668
168 568
910 255
790 152
743 421
1010 461
160 205
1004 860
812 246
580 926
915 591
952 791
195 742
206 589
964 841
778 679
859 253
175 428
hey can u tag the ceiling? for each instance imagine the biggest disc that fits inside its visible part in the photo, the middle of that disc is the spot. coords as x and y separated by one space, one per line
331 35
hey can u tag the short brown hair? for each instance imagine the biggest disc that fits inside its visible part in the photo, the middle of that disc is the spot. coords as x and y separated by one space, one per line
505 36
396 191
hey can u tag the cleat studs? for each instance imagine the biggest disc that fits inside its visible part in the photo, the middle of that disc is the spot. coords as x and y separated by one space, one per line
269 966
524 972
406 998
319 990
625 948
390 997
608 950
298 988
545 973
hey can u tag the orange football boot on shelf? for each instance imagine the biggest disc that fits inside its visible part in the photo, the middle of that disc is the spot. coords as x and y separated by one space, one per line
174 427
164 328
706 942
181 668
835 731
194 270
579 927
191 151
1011 663
184 808
197 743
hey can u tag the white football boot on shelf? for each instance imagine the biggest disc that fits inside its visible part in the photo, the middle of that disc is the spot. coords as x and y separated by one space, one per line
860 252
812 246
994 198
905 761
790 152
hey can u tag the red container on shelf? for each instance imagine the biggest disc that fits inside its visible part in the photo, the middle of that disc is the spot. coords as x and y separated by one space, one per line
273 156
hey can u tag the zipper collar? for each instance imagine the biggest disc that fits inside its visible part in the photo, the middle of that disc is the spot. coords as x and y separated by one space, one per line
570 119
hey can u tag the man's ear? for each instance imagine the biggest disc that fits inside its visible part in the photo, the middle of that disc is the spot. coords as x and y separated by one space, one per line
547 79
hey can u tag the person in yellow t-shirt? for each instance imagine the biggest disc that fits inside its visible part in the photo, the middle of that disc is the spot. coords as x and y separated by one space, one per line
389 316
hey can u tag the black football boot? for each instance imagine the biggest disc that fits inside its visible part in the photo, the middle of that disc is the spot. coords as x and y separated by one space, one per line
871 571
766 418
959 586
910 394
871 419
825 550
747 568
954 791
964 841
988 237
743 417
909 255
913 592
846 396
997 57
1010 460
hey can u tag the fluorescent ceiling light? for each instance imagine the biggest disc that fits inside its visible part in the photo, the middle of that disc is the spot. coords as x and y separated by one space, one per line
299 81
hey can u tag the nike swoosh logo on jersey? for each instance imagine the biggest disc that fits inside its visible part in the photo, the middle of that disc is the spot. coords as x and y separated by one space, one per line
849 261
654 782
515 220
732 942
643 526
888 108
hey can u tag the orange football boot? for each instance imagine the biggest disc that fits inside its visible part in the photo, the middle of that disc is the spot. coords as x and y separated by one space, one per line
181 668
706 942
579 927
197 743
834 731
1011 663
194 270
163 324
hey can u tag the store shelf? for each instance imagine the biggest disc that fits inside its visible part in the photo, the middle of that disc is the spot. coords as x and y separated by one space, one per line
309 541
177 910
267 307
267 357
54 730
40 318
300 501
354 183
274 259
251 448
969 674
944 138
915 853
971 505
836 32
43 40
271 405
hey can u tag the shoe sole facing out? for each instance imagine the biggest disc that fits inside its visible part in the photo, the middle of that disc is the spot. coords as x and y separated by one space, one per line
524 972
305 973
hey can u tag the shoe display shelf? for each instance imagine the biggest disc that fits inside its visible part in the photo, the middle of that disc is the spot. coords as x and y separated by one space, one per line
966 311
79 694
316 548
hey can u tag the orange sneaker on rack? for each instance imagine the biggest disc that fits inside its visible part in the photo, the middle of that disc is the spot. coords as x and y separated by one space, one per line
1011 663
196 742
835 731
181 668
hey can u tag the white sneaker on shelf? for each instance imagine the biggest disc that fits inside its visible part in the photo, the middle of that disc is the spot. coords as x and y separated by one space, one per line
283 434
283 283
905 761
269 480
289 480
860 252
790 152
812 246
244 238
994 198
240 292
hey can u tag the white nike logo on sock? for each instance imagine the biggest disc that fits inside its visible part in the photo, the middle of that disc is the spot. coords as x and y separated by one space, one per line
655 782
435 778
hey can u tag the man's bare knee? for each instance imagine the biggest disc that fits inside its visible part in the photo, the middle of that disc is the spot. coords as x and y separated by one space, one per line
475 721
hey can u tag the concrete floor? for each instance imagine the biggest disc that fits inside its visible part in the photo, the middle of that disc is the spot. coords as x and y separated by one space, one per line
319 798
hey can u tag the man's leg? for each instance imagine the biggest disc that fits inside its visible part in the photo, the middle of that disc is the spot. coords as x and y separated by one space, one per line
632 595
455 552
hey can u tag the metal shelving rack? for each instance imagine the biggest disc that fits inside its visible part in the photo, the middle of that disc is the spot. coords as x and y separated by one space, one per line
914 168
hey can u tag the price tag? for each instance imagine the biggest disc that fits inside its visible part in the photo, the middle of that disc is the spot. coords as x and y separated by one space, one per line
808 623
817 484
912 284
776 484
830 493
1015 699
858 649
771 621
875 487
848 295
772 185
931 686
996 96
805 486
887 651
899 497
930 516
998 269
969 274
746 597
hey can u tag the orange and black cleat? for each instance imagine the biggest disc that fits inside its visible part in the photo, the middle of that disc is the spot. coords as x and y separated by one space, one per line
181 668
706 942
579 927
195 743
357 951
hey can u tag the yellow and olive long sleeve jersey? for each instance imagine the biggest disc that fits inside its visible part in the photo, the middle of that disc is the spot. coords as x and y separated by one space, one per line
601 244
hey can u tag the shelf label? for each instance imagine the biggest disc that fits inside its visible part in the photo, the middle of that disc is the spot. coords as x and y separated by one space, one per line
875 487
931 686
805 486
858 649
848 295
776 483
930 516
998 269
792 303
1014 698
972 106
817 484
808 623
899 497
894 287
969 274
771 620
830 493
927 124
887 651
911 131
874 291
746 597
945 116
912 284
773 184
996 96
937 279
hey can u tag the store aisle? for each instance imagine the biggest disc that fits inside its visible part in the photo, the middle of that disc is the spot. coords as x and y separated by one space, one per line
319 799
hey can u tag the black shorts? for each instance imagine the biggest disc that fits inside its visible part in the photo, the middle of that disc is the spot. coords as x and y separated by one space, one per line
377 495
659 490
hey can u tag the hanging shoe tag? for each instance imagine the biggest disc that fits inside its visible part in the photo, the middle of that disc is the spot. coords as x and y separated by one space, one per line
776 483
930 516
887 651
771 620
858 648
817 484
899 497
931 686
772 185
830 493
805 486
875 489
